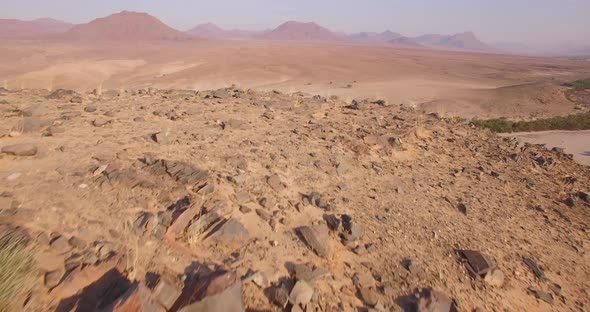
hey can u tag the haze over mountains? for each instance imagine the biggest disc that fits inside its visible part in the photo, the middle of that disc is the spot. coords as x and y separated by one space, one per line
133 26
12 28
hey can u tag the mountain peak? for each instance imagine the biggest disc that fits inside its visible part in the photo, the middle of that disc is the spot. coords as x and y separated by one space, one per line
125 25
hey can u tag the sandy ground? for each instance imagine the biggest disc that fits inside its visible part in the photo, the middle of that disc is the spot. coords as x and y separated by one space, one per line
574 142
450 83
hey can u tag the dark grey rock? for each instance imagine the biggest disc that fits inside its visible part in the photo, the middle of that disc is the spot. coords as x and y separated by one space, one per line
20 150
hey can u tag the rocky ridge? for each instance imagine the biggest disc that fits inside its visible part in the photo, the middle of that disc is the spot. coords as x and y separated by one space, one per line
232 200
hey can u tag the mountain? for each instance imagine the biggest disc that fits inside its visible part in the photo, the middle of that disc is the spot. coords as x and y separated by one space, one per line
13 28
125 26
405 42
301 32
373 37
462 41
212 31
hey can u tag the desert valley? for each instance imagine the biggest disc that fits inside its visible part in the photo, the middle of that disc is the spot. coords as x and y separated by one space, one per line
145 168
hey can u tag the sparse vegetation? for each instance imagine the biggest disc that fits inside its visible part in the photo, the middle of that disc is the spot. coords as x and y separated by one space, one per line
16 265
570 122
583 84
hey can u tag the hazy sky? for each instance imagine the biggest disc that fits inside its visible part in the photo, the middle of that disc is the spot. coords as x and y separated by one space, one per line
534 22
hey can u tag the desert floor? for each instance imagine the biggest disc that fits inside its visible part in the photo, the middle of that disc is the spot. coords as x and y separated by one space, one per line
450 83
576 143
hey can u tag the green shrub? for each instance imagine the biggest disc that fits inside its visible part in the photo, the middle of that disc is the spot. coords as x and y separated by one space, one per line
570 122
583 84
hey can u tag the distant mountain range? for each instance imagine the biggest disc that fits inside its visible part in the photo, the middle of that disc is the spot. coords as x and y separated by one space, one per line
133 26
12 28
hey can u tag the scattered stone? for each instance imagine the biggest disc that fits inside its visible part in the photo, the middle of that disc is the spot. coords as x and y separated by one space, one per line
77 242
268 115
495 278
316 238
333 222
245 209
369 296
263 214
584 196
52 279
62 94
352 230
77 99
60 245
258 279
275 183
101 122
434 301
166 294
478 263
20 150
280 296
463 208
139 226
90 109
535 268
221 293
570 202
301 294
232 234
555 288
315 199
542 295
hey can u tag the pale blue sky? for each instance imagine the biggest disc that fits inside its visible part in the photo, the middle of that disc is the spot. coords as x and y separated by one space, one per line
534 22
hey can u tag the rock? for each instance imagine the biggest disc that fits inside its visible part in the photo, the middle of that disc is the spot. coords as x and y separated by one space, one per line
534 267
139 225
280 296
542 295
316 200
258 279
52 279
434 301
220 94
307 273
70 115
223 293
178 227
53 130
232 234
333 222
20 150
301 294
353 231
166 294
90 109
263 214
60 245
414 268
275 183
62 94
584 196
268 115
77 242
570 202
494 278
267 203
159 138
77 99
463 208
101 122
316 238
478 263
245 209
369 296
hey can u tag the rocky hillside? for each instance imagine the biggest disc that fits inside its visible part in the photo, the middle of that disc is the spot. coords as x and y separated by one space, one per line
233 200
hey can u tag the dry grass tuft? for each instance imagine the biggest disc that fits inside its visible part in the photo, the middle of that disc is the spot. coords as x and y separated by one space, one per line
16 270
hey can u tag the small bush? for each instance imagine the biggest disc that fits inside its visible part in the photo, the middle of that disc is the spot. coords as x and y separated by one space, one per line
570 122
16 265
583 84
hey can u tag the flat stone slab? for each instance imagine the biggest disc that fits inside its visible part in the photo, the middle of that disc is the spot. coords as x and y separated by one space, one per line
20 149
